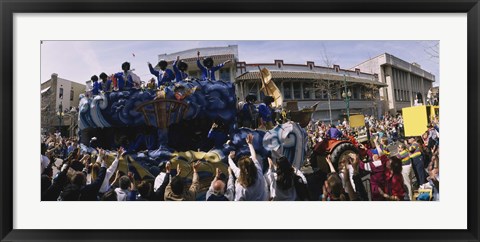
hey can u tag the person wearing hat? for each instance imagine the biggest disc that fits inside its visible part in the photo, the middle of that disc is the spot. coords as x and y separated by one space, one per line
265 112
126 79
208 70
97 87
180 68
164 76
417 160
249 112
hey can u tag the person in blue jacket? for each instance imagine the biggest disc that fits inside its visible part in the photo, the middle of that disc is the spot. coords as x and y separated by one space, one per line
208 70
180 70
97 87
165 76
124 79
265 113
218 134
106 82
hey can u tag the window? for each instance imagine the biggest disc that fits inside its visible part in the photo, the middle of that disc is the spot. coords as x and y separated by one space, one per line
279 65
225 74
307 90
354 93
60 93
297 92
318 93
71 95
287 90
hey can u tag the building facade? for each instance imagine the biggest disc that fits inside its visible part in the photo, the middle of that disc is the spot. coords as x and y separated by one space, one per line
405 80
309 84
59 101
218 54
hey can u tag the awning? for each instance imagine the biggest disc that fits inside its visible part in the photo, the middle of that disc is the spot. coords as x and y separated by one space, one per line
44 90
255 75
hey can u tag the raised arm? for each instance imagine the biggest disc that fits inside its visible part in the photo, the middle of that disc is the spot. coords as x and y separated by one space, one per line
253 153
195 180
346 179
219 66
378 146
230 193
152 70
329 162
232 165
113 167
160 193
270 178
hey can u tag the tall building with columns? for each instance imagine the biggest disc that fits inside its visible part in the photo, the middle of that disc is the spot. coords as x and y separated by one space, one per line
405 80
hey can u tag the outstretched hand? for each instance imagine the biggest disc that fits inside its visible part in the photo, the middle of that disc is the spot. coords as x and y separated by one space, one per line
249 139
218 173
168 167
232 154
270 163
195 166
120 152
179 170
328 159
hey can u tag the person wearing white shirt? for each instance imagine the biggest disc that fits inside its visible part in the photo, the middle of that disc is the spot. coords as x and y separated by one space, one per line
250 184
110 171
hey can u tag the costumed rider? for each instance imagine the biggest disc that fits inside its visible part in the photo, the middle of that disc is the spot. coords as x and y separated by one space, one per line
266 113
127 79
106 82
97 87
180 68
208 70
164 76
249 112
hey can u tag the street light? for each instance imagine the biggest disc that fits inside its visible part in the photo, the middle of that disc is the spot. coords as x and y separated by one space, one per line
346 94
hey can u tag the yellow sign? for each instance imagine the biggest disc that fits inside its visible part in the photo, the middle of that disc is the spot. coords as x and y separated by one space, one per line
357 121
415 120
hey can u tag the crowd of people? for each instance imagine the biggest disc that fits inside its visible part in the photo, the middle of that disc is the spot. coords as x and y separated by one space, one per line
69 174
400 168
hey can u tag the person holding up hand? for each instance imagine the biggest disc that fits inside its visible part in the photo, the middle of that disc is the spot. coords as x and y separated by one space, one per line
208 70
217 191
250 184
175 189
180 68
164 76
110 171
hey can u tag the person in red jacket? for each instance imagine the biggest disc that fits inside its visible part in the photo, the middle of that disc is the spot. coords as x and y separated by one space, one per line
394 187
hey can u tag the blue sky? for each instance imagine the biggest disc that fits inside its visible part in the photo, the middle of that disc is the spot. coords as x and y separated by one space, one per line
79 60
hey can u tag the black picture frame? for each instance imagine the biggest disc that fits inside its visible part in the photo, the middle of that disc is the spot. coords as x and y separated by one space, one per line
9 7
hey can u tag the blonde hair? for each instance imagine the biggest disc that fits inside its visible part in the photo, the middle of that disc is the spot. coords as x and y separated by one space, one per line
248 171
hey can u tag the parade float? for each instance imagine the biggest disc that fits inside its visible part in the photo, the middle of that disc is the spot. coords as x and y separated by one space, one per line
172 124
